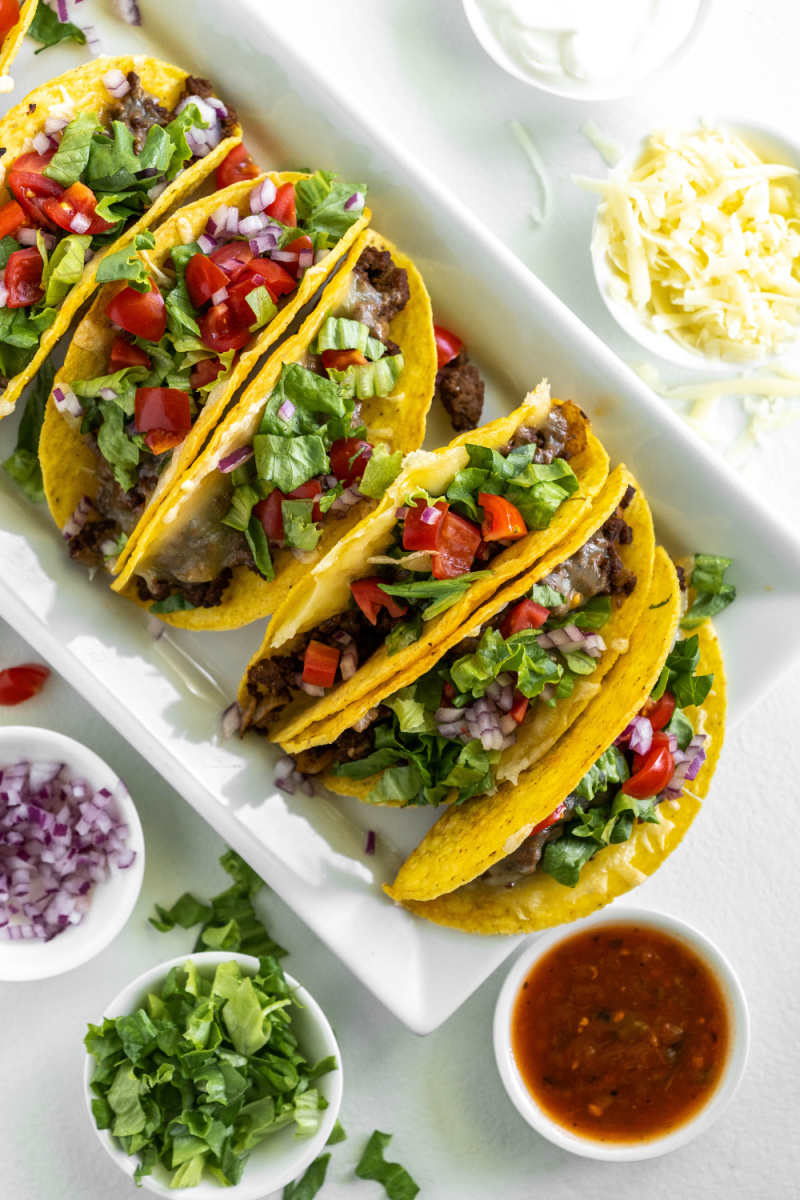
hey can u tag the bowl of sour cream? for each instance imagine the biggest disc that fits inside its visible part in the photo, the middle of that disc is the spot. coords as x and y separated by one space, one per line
584 49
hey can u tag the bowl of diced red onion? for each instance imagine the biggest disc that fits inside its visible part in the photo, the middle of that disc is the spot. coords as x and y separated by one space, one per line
71 854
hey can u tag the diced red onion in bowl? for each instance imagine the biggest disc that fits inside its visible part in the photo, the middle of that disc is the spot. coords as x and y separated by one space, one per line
127 11
262 195
116 83
76 521
235 459
65 400
58 838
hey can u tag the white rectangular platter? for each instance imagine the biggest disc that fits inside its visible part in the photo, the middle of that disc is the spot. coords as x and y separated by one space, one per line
166 697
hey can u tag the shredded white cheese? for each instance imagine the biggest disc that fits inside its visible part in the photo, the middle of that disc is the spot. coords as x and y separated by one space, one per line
540 210
703 240
607 147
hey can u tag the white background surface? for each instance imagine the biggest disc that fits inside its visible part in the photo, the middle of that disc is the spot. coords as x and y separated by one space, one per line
417 66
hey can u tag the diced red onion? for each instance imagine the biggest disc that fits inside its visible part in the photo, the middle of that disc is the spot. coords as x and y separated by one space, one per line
80 223
54 125
107 393
206 243
206 111
345 502
41 143
288 778
235 459
641 735
3 294
329 482
49 240
92 39
430 516
311 689
127 11
673 745
195 140
75 523
348 663
73 838
305 259
218 105
220 295
65 400
249 226
262 195
287 410
401 513
230 721
217 223
26 237
370 845
354 202
265 241
288 256
155 628
62 10
156 190
116 83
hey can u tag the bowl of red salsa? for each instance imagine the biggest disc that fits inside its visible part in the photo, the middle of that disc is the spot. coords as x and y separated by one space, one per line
623 1037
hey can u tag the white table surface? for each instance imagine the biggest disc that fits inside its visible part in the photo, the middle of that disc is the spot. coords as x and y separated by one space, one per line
417 65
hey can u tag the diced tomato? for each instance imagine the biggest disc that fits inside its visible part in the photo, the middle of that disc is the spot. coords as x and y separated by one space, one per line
164 409
9 16
232 258
23 277
298 246
203 278
22 683
273 276
30 187
423 535
270 511
659 712
236 166
282 208
502 522
220 330
12 216
125 354
342 452
143 314
448 693
525 615
370 597
548 821
159 440
78 198
270 514
238 292
340 360
320 663
458 542
447 345
651 772
519 707
205 371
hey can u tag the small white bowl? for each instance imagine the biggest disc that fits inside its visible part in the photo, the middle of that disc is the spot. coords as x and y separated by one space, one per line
738 1046
280 1158
771 146
580 89
112 901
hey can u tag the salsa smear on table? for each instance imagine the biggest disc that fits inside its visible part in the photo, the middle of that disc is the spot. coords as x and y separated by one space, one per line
620 1033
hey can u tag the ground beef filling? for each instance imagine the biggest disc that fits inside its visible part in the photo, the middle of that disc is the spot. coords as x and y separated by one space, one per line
139 111
272 682
85 546
460 389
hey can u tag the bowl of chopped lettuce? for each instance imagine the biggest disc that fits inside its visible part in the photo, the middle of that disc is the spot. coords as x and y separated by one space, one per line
217 1071
696 244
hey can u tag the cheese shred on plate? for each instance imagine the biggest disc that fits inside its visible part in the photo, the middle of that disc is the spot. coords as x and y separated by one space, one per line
703 241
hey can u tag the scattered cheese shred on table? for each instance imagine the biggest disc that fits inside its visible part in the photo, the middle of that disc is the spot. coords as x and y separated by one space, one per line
539 212
703 238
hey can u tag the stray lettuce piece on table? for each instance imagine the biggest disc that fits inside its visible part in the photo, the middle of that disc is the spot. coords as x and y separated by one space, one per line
396 1180
307 1187
229 921
47 29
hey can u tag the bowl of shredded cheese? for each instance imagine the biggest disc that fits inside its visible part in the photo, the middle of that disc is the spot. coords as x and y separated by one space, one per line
696 244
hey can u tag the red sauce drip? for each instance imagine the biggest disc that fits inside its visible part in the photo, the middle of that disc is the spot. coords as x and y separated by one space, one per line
620 1033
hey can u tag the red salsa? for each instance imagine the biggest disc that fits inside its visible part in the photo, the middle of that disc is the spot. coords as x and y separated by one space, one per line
620 1033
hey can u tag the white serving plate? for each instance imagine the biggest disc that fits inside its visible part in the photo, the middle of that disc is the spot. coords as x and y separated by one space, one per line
166 697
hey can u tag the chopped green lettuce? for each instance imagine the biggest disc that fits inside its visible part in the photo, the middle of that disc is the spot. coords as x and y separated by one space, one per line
382 469
126 264
70 159
23 465
47 29
712 593
395 1179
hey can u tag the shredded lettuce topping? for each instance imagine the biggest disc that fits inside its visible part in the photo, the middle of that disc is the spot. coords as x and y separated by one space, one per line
712 594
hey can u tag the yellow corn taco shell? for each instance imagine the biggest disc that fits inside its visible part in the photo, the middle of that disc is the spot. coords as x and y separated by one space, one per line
68 463
200 494
15 36
467 840
543 726
539 902
327 586
74 92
